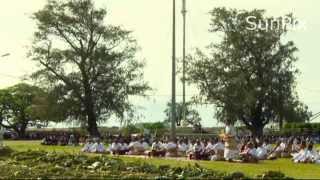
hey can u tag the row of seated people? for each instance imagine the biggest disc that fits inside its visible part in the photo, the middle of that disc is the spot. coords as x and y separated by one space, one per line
286 147
301 151
250 150
94 145
198 150
306 154
61 140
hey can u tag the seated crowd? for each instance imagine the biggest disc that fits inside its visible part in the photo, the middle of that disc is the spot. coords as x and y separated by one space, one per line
300 149
93 146
60 139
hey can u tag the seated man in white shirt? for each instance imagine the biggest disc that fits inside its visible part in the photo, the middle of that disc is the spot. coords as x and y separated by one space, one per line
97 147
218 149
301 156
266 145
182 148
172 149
261 152
157 149
248 154
276 151
190 147
88 146
287 150
196 151
145 145
295 146
209 148
115 147
307 154
312 156
123 148
136 148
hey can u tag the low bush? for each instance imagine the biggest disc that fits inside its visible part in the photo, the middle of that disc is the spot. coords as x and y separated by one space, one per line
44 165
40 164
273 175
5 151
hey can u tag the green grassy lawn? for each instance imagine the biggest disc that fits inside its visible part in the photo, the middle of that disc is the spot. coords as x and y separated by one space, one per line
35 145
300 171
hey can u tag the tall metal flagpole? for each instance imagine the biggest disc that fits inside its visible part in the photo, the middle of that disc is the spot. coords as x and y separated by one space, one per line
184 12
173 102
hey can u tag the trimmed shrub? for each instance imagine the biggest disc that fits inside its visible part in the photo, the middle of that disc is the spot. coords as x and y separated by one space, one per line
273 175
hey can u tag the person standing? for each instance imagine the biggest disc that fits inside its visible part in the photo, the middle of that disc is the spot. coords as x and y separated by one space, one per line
231 151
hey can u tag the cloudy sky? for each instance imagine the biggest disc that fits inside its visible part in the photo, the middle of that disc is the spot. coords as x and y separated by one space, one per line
150 21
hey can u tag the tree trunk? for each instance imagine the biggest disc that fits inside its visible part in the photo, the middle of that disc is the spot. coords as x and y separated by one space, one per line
21 130
257 127
281 120
91 119
257 123
91 114
21 133
257 131
280 123
92 124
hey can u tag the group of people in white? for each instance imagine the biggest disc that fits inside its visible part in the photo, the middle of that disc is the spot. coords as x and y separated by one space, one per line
215 149
94 146
226 147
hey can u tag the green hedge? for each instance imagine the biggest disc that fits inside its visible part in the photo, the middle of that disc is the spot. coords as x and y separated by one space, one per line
300 128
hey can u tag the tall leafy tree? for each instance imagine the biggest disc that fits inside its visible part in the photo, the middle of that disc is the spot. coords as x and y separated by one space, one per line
90 66
249 74
22 106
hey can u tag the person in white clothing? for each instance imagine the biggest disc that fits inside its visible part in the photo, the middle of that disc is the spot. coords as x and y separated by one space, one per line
97 147
182 148
190 147
172 149
145 145
209 148
276 151
295 146
261 152
312 155
218 151
248 154
123 149
267 146
196 151
157 149
231 151
136 148
115 147
301 156
88 146
306 154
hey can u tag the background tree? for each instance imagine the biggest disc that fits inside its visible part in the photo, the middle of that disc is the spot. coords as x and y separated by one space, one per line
192 116
89 66
23 106
156 128
249 75
294 111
